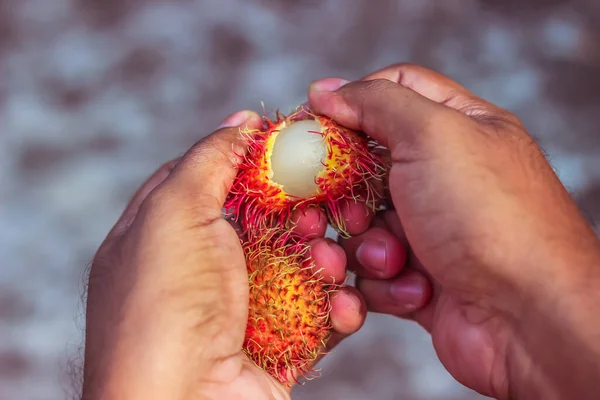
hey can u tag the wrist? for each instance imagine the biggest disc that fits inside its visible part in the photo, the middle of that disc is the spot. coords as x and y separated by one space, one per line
555 351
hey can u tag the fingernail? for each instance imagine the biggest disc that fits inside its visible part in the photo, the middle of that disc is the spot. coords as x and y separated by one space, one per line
372 254
235 119
408 292
328 85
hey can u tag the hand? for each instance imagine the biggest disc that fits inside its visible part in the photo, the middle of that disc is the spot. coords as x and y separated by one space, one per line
168 289
511 265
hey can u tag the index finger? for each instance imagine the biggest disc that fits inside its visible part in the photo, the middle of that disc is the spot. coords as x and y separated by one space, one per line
440 89
426 82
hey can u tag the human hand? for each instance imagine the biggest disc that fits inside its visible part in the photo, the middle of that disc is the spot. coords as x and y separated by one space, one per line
168 289
495 239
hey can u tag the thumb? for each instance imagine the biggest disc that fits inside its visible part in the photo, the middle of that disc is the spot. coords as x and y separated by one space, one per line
184 215
206 171
387 111
190 269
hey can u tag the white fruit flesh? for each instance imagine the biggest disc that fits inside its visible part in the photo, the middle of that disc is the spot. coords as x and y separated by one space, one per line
298 157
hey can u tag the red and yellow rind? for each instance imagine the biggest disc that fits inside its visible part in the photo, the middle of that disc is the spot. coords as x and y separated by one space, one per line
289 308
350 172
288 321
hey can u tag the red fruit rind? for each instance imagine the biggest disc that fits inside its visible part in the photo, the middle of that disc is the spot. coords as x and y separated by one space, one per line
351 173
288 321
289 308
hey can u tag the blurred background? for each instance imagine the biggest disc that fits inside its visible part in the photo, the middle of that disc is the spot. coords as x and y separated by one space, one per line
96 94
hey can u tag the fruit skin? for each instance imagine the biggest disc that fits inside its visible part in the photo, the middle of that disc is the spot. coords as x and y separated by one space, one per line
288 319
352 171
289 303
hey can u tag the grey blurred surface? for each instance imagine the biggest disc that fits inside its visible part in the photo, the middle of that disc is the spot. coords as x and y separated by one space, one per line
96 94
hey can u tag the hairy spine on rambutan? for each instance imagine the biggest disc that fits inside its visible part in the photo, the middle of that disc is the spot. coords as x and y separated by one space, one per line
295 162
288 320
299 161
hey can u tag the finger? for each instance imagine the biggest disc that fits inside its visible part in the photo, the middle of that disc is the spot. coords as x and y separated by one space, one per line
348 314
140 195
356 216
391 220
329 259
375 254
426 82
328 85
439 88
386 111
348 311
204 175
407 293
158 178
309 223
239 119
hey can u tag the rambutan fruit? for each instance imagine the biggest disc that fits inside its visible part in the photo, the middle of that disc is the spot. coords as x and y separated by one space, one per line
295 162
299 161
288 320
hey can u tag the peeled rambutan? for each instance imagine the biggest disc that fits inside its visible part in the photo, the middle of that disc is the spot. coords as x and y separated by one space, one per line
288 320
299 161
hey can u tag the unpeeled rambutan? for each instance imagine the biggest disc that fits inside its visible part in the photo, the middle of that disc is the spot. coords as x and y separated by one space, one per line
300 161
288 321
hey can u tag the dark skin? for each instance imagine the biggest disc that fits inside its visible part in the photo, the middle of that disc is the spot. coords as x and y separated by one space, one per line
168 289
483 247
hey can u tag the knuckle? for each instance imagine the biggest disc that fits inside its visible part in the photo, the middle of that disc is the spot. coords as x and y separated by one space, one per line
204 211
367 98
163 211
511 119
217 148
504 119
168 166
158 199
186 210
472 106
378 85
489 114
